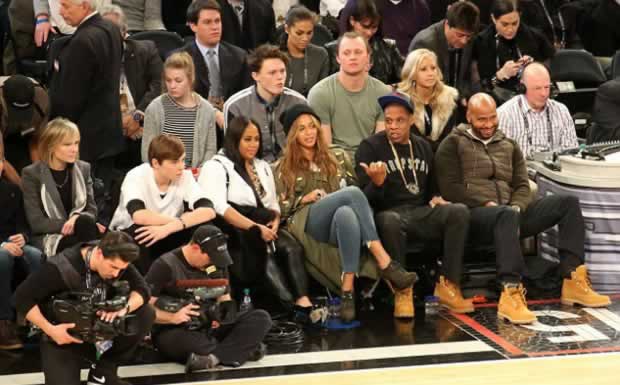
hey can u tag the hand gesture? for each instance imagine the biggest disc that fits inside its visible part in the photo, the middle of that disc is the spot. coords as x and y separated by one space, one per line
13 249
18 239
109 316
41 33
274 225
61 336
438 201
69 227
313 196
185 314
509 70
267 234
149 235
376 171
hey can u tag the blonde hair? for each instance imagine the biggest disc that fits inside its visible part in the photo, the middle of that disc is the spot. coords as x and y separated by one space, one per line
179 61
54 133
411 69
293 163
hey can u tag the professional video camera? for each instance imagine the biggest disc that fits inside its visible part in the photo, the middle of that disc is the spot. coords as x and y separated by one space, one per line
201 292
81 307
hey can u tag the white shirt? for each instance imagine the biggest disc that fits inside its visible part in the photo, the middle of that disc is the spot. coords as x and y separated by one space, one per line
332 7
533 135
139 184
213 180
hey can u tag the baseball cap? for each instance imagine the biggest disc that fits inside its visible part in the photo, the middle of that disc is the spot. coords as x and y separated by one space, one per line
213 242
396 97
18 92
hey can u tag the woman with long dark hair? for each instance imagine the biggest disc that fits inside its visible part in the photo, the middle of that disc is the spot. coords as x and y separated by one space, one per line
242 188
307 63
331 221
504 48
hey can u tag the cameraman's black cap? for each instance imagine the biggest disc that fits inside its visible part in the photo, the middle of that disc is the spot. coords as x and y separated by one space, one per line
213 242
18 92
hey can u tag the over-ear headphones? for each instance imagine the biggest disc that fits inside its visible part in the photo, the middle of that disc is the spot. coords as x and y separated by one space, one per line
521 88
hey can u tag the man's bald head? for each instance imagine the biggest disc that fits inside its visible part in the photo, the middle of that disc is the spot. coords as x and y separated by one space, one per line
482 115
537 82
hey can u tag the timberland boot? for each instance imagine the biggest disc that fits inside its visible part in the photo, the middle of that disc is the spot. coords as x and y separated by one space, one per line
403 303
512 305
450 296
397 277
8 336
578 289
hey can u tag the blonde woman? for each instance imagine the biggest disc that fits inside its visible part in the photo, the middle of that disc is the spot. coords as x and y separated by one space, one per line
58 191
434 102
181 112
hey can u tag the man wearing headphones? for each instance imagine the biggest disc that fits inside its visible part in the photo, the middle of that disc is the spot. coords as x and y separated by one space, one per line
536 122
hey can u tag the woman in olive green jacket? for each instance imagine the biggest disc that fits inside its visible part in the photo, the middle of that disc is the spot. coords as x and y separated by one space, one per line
330 220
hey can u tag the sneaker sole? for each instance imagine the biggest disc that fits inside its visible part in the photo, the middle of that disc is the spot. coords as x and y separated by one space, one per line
516 322
572 302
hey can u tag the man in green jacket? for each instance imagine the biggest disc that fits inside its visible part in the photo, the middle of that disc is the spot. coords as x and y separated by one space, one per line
479 166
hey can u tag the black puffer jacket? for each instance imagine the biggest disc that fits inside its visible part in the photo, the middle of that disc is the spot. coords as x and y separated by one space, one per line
386 60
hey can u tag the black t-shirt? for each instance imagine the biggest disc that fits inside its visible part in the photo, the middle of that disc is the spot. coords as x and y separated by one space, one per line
492 51
64 185
394 192
161 279
47 281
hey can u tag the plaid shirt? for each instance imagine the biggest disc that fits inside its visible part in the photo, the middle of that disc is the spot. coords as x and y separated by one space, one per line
530 129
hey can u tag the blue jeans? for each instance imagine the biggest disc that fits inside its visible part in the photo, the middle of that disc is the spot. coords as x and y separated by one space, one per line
31 260
343 219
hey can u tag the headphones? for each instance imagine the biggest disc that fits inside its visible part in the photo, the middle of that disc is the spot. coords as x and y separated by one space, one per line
521 88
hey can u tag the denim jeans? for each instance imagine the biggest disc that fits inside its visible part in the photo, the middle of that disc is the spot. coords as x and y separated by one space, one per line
31 260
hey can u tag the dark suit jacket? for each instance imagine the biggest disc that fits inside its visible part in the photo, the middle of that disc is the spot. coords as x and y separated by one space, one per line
434 39
606 114
85 87
234 71
259 25
143 68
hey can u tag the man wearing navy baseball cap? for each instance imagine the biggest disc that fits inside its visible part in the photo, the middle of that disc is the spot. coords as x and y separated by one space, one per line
395 170
231 339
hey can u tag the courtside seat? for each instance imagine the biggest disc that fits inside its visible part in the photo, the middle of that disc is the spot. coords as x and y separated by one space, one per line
165 41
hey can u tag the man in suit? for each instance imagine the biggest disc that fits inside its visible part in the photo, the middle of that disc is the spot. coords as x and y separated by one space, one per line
606 113
248 23
451 40
82 88
140 83
221 68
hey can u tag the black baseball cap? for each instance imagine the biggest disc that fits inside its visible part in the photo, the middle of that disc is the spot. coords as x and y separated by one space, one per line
396 98
18 92
213 242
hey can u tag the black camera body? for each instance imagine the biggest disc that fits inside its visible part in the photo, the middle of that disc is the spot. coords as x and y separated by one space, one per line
205 297
81 308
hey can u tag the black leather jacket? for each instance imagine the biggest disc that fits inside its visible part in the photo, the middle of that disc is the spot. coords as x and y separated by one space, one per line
385 58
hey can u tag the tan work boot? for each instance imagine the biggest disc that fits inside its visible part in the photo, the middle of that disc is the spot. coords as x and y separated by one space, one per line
512 305
403 303
450 296
578 289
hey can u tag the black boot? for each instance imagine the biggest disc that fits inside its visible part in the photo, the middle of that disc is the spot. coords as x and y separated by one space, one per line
259 353
398 277
347 307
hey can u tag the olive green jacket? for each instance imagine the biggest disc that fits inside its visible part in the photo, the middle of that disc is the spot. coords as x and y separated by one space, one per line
322 260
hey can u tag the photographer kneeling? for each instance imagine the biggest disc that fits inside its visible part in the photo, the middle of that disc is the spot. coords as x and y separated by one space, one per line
199 324
90 272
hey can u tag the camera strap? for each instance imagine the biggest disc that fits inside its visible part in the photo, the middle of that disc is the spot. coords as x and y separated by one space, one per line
89 277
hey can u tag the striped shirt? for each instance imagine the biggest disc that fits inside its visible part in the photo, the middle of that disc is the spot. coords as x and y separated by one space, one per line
179 121
551 129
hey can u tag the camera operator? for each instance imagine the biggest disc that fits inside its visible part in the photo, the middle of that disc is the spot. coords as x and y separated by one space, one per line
89 267
234 338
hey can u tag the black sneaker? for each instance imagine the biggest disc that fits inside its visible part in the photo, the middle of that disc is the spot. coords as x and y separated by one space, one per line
104 376
197 362
259 353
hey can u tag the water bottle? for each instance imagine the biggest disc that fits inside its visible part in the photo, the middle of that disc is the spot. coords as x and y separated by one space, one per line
334 308
431 305
246 304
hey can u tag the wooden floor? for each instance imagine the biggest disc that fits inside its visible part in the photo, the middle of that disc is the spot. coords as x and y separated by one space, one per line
594 369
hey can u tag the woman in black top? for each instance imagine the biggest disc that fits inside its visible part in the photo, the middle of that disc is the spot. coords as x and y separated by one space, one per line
14 249
58 191
386 60
307 63
503 49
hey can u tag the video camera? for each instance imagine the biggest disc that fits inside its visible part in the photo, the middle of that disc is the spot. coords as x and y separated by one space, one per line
81 308
201 292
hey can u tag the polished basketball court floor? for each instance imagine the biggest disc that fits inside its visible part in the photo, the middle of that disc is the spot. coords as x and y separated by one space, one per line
569 345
